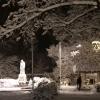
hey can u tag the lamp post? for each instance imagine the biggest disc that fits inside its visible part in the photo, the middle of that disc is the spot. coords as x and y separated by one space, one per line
32 59
96 48
74 69
60 62
32 66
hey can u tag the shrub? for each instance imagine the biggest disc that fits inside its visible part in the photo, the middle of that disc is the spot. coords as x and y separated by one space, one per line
45 91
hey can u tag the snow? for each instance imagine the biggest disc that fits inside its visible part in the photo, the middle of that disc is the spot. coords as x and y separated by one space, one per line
38 80
8 83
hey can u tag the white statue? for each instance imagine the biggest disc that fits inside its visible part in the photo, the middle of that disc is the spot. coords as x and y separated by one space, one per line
22 76
22 67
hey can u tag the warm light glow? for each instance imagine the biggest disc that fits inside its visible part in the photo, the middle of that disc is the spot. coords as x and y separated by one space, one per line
96 45
79 46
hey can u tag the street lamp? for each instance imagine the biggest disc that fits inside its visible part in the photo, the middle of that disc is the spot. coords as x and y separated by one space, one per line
60 61
74 69
96 45
32 66
96 48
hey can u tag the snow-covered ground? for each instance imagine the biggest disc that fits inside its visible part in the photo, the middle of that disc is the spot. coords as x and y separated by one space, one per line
9 85
73 90
67 87
13 84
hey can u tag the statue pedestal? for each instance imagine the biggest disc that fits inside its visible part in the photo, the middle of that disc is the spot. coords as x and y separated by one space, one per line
22 79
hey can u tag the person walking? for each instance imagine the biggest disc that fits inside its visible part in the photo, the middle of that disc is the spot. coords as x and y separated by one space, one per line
79 82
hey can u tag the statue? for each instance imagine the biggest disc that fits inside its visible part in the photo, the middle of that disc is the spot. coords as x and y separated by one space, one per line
22 76
22 67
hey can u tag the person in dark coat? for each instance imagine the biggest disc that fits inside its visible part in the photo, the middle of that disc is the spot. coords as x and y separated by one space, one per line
79 82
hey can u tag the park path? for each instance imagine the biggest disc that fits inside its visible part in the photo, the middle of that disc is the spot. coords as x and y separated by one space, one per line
16 95
71 93
78 97
68 93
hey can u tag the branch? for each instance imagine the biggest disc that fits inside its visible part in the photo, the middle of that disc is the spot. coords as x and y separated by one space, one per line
71 21
94 26
50 8
69 3
74 19
20 25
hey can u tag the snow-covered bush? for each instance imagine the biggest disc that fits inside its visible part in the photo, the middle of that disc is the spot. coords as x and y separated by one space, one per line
46 90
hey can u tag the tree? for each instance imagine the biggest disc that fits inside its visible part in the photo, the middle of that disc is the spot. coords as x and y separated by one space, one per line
88 60
69 21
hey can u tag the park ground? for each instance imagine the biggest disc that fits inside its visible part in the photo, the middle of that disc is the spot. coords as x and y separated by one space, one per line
64 94
28 96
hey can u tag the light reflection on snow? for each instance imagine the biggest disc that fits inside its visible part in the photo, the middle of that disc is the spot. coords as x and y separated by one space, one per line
13 84
9 85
